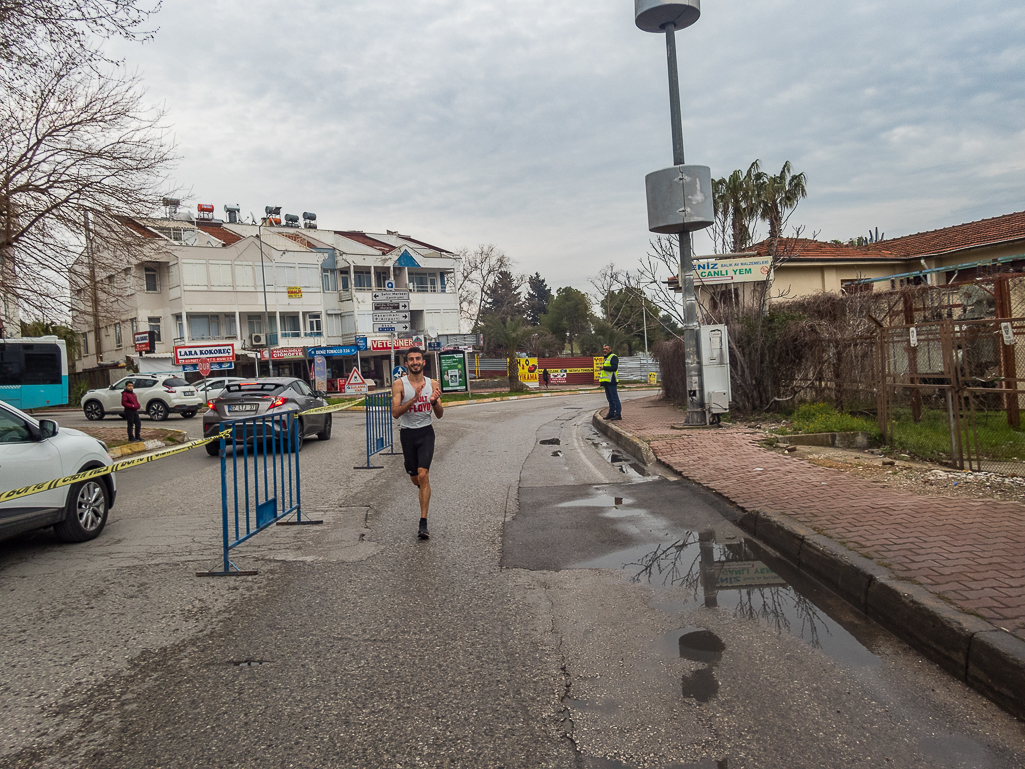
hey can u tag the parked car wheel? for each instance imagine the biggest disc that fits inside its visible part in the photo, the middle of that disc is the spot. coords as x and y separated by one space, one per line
85 514
213 449
188 414
93 410
157 411
325 434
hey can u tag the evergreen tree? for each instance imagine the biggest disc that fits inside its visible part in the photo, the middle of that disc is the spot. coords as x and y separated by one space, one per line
538 295
502 299
569 315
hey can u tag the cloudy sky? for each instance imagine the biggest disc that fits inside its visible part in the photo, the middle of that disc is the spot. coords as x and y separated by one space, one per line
531 123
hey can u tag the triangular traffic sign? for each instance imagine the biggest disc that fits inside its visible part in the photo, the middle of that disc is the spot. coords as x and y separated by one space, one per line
355 378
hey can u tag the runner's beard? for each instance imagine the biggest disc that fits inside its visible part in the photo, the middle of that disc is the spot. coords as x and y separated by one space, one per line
415 368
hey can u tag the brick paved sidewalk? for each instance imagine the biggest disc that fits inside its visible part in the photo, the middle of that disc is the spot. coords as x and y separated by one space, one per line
968 551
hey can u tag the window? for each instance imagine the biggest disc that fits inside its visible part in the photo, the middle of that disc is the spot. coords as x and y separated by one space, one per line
382 278
343 278
204 326
29 364
245 278
255 324
117 336
230 329
290 326
334 324
849 287
303 388
85 343
194 273
180 326
329 280
13 429
313 324
220 274
286 275
308 276
154 326
362 280
423 282
135 326
152 285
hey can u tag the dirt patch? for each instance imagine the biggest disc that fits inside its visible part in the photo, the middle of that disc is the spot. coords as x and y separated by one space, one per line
921 478
117 436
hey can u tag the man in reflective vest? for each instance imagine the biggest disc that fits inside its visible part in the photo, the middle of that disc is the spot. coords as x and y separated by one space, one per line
608 380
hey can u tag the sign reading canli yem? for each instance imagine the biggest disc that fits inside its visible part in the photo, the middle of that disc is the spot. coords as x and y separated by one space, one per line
713 270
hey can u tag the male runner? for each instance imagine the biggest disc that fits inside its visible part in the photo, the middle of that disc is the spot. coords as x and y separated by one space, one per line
414 401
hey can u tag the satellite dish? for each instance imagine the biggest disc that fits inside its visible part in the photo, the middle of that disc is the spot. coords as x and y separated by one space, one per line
432 332
190 237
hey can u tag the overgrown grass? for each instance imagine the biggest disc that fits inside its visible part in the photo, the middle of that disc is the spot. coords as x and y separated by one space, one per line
823 418
930 437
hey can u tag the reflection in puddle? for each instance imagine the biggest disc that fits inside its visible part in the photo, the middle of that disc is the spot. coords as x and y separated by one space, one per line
701 646
701 685
728 575
550 442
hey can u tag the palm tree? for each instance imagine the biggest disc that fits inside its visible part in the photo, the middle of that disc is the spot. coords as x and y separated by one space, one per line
737 205
779 196
509 335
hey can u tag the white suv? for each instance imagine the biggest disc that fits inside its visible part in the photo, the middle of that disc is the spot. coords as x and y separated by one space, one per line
38 451
159 395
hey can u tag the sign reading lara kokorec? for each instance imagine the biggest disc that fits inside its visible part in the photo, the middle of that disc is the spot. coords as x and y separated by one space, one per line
710 270
215 353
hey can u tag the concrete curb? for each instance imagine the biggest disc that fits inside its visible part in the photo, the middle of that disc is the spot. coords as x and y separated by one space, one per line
528 396
138 447
987 658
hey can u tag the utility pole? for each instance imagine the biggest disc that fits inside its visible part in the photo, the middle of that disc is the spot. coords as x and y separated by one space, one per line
93 290
269 211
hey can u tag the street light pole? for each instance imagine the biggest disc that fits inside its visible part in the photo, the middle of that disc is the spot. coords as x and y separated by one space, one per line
268 212
680 197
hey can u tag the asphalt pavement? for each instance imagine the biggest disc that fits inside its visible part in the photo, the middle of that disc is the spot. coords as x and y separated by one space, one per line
569 611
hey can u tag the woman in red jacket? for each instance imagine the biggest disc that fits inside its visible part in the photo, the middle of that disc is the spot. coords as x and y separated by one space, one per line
130 403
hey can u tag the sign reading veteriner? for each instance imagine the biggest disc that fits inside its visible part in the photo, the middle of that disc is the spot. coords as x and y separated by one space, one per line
714 270
453 367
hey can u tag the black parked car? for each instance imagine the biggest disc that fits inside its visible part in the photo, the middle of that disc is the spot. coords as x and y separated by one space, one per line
263 397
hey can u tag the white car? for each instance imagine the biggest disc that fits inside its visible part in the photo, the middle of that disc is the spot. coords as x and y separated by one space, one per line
33 452
159 395
212 388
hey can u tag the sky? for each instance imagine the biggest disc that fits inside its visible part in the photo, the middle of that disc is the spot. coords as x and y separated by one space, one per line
531 124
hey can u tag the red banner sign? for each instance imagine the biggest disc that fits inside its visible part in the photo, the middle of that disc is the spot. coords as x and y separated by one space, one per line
378 345
284 353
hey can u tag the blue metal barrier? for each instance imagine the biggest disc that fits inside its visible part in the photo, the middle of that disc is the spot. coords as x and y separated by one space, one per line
379 428
260 481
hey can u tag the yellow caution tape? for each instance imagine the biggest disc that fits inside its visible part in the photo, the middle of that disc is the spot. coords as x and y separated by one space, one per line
25 491
96 472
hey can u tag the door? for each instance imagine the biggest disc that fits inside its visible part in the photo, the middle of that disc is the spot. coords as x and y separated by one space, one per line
23 462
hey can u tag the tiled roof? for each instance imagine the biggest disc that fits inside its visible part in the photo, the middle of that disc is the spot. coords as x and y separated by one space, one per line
803 248
366 240
227 237
999 229
137 228
426 245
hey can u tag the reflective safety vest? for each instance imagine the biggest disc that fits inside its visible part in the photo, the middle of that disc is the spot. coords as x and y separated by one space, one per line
608 375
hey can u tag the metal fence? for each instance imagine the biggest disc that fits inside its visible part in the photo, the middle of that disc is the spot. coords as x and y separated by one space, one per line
380 428
952 391
260 481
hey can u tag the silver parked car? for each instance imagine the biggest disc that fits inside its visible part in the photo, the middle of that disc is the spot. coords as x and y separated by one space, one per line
263 397
212 387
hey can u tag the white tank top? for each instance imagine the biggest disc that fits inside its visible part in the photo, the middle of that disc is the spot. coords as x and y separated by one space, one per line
420 413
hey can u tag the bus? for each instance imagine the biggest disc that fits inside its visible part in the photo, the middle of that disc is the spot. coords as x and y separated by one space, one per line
34 372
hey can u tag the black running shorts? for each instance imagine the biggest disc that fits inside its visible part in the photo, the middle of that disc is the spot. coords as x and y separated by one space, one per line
417 448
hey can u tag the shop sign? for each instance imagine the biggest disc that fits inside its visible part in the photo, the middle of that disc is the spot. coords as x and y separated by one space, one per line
528 370
747 269
143 341
384 345
560 376
215 353
295 292
283 353
333 351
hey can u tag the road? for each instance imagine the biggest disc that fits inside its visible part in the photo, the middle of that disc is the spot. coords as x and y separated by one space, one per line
569 611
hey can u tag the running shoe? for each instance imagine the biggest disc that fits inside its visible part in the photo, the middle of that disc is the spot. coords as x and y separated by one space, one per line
422 533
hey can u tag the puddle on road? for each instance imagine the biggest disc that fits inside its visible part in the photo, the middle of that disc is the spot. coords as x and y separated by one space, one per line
550 442
699 571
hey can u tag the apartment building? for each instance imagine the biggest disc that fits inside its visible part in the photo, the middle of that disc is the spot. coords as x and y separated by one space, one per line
271 292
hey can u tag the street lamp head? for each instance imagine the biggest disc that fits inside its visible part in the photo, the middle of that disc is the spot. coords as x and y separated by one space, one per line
655 15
